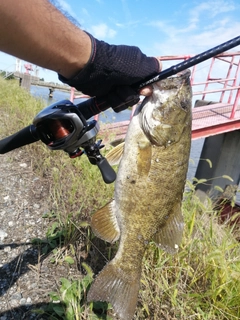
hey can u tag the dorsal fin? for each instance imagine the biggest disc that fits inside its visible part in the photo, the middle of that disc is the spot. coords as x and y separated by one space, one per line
104 223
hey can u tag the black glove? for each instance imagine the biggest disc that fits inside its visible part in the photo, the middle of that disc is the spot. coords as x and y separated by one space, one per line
110 73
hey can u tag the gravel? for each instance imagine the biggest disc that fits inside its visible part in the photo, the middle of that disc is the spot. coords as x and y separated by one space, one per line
26 277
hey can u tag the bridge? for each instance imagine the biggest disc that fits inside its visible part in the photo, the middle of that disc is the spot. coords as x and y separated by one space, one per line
20 75
215 117
27 79
51 85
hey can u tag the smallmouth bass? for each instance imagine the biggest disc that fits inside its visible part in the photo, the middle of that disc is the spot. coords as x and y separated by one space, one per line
148 191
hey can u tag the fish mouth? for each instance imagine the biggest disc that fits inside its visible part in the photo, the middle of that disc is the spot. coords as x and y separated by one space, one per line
184 73
175 82
165 113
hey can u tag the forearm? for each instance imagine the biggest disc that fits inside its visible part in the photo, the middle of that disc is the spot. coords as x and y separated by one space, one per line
37 32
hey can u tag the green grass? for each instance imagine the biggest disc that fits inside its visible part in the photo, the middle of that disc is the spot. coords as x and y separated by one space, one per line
202 281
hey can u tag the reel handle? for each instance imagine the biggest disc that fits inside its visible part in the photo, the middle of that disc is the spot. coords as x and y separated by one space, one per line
95 158
108 174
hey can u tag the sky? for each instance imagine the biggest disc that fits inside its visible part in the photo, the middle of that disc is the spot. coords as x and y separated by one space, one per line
158 28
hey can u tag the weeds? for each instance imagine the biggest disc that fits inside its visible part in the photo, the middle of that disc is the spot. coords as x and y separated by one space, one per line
70 300
201 281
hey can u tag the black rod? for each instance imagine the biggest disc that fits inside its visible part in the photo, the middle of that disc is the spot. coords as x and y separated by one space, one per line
192 61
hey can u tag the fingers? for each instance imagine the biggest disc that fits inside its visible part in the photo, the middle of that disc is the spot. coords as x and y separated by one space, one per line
147 91
160 64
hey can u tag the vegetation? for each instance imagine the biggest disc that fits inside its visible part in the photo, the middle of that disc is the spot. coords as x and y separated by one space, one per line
202 281
6 75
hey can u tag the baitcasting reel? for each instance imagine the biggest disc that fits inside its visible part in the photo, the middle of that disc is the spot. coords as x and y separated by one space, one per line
62 126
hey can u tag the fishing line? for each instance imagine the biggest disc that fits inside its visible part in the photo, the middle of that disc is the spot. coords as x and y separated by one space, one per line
87 238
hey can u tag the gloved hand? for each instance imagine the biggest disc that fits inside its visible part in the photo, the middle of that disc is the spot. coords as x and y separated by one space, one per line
110 72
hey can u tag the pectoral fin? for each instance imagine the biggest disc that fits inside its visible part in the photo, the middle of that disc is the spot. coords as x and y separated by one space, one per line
104 223
114 156
144 157
169 237
116 142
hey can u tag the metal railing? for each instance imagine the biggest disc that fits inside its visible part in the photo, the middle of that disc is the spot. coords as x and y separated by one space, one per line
215 78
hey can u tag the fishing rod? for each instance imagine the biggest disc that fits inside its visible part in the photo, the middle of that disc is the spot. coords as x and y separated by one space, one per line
192 61
64 126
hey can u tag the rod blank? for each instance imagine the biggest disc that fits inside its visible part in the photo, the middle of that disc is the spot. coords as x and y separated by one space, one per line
192 61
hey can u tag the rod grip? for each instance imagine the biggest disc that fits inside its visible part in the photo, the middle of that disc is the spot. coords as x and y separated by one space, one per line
25 136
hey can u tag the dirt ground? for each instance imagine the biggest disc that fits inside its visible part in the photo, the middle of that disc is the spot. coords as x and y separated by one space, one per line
26 277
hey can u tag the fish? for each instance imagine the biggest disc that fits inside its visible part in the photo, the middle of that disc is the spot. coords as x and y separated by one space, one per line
148 191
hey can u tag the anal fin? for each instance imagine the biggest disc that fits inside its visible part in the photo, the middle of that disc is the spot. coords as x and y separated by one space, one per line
169 237
104 223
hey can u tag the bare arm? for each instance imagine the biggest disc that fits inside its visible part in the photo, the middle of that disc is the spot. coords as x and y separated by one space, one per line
37 32
34 30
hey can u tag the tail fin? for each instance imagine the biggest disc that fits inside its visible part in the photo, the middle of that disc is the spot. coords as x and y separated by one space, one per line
113 286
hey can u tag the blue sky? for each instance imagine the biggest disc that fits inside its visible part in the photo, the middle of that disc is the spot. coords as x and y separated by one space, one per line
173 27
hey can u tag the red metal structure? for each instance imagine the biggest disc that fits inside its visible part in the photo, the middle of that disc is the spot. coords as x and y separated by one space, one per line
216 91
28 67
216 83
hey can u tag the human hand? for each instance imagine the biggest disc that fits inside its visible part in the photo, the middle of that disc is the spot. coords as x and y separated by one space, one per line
111 73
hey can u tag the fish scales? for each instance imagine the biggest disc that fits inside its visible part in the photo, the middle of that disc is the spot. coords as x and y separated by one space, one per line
148 191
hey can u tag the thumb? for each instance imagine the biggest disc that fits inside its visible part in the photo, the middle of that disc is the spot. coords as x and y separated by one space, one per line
147 91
